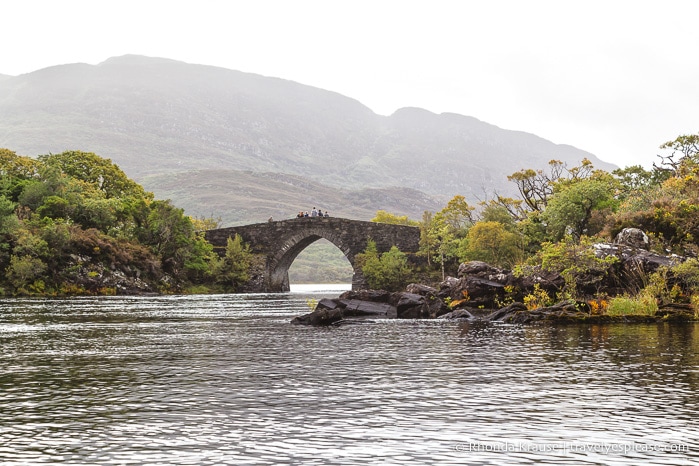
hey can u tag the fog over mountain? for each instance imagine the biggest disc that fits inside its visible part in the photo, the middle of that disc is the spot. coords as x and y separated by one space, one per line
245 147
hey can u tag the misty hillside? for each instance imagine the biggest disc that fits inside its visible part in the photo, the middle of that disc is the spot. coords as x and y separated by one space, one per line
200 134
234 195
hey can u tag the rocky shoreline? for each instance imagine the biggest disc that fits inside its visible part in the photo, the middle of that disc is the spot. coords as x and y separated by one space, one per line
373 304
479 293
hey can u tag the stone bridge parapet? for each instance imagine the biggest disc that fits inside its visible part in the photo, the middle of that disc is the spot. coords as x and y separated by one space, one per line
283 240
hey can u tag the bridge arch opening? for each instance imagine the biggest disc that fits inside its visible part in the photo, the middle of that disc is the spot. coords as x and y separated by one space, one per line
321 262
296 243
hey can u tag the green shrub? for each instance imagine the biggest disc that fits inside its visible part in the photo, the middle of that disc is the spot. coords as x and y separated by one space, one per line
388 271
643 304
537 298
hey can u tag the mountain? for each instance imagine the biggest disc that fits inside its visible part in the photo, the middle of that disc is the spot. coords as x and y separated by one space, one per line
243 144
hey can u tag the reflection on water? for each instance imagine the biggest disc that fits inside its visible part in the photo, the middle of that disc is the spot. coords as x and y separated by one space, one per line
227 380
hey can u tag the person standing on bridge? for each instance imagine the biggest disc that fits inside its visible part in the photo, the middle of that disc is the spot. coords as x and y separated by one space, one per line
314 212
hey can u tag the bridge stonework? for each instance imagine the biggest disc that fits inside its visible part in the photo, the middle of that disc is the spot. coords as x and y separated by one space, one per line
281 241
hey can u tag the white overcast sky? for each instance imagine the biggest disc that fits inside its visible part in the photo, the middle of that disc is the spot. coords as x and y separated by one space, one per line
615 78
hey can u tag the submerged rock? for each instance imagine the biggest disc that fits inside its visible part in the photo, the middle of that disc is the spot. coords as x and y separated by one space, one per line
458 314
319 317
565 311
374 303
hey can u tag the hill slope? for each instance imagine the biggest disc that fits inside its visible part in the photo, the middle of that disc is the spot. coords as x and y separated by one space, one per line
240 197
159 119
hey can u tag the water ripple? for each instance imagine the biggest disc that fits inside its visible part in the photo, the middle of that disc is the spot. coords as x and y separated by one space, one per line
226 380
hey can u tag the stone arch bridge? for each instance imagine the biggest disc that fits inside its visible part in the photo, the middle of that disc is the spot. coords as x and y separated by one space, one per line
281 241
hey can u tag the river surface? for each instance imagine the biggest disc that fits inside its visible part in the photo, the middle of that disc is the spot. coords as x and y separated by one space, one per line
226 380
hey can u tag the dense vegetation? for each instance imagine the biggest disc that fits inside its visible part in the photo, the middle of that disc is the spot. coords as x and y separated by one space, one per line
74 223
561 211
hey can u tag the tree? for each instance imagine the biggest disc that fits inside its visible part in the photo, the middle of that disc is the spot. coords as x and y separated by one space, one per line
445 238
233 270
670 212
515 208
536 186
95 170
633 178
169 233
16 166
388 271
493 212
206 223
667 207
34 194
396 271
441 236
200 262
8 226
385 217
570 210
457 214
491 242
27 266
24 272
95 212
687 145
369 263
8 219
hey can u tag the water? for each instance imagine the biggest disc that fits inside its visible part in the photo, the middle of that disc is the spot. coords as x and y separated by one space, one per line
333 288
212 380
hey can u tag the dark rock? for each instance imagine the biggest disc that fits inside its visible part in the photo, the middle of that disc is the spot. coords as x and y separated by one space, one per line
482 270
676 312
319 317
551 282
636 269
329 304
423 290
436 306
501 313
378 296
410 306
478 291
330 311
565 311
631 273
458 314
448 283
359 308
